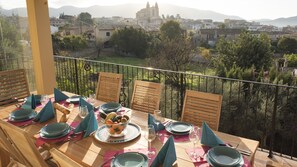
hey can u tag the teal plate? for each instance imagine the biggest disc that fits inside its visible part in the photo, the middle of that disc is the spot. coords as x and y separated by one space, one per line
55 137
22 114
54 129
110 107
224 156
181 127
131 159
169 129
33 115
213 164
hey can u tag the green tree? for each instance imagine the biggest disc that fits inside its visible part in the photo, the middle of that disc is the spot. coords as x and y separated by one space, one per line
131 40
73 43
292 59
287 45
173 55
172 49
171 30
85 17
9 39
245 52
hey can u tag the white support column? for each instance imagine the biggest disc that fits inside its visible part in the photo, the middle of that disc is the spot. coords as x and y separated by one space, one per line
41 42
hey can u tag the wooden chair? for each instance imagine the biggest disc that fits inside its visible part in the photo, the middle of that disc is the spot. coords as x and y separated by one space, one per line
146 96
199 107
5 156
10 151
23 144
13 84
109 87
25 149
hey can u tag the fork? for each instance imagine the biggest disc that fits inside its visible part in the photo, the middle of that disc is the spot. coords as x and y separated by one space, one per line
109 159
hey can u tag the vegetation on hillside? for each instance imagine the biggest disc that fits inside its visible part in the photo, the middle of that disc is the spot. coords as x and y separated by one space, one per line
130 40
68 43
10 45
245 52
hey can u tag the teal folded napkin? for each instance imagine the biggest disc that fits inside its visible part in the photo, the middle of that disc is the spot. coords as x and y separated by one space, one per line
157 124
46 113
166 156
88 125
83 102
30 103
59 96
208 137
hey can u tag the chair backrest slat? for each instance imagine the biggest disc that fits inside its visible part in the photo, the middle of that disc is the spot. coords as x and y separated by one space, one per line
202 107
146 96
109 87
13 84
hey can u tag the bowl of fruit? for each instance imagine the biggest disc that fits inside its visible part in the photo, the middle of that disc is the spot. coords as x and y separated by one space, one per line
116 124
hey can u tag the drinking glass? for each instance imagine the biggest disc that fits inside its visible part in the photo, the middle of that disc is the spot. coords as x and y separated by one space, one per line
158 115
92 98
158 119
194 137
83 111
150 135
44 99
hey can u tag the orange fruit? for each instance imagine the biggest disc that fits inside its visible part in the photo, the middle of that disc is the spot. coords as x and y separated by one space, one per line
108 122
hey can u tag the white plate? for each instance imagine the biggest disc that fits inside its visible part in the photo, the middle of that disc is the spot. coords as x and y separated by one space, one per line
133 131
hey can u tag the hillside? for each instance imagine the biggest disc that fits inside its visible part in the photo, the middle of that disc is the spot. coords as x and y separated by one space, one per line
128 11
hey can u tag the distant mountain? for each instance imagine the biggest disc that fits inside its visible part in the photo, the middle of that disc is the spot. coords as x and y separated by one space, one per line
280 22
192 13
128 11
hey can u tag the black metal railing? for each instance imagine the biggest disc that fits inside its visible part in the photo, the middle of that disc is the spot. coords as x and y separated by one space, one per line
261 111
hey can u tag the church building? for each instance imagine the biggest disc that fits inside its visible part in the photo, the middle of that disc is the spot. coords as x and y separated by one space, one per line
149 16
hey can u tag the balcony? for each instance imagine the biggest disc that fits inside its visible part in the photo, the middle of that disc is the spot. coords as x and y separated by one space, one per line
259 111
254 110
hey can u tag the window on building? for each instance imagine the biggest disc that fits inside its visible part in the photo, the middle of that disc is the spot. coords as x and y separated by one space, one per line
107 34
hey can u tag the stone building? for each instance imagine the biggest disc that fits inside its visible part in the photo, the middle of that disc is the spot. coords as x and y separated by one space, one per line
149 17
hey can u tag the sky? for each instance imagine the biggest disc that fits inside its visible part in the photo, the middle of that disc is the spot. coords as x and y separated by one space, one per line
246 9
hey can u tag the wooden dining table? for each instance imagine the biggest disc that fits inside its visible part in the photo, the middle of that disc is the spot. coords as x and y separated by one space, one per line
90 152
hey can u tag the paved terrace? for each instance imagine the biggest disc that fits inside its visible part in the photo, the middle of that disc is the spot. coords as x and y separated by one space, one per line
262 160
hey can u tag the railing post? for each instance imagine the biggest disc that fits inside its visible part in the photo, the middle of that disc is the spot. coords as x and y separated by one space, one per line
76 76
182 90
273 122
118 69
